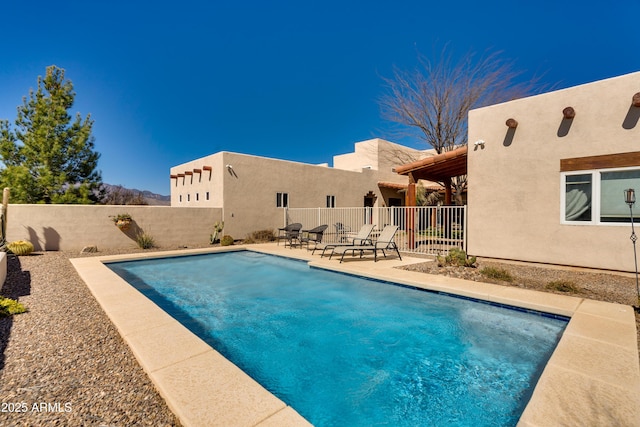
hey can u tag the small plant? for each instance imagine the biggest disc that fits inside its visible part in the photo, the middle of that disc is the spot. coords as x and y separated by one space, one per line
226 240
145 240
122 221
497 274
260 236
458 258
562 286
9 307
217 228
20 247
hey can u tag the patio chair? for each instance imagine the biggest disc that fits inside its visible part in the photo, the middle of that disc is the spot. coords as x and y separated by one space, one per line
342 231
314 235
385 242
361 238
289 233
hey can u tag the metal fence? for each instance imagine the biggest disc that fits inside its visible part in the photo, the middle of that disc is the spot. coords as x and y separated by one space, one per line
428 230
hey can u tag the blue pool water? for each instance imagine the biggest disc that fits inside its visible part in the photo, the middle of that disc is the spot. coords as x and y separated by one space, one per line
348 351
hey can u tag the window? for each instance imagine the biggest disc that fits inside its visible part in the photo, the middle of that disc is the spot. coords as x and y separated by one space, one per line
612 186
282 200
188 197
331 201
197 196
577 206
597 196
206 195
180 198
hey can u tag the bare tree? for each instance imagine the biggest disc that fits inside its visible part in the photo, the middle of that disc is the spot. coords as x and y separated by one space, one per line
432 101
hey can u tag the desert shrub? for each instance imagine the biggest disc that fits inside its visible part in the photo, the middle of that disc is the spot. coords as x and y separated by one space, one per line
20 247
458 258
260 236
562 286
497 274
226 240
217 229
145 240
9 307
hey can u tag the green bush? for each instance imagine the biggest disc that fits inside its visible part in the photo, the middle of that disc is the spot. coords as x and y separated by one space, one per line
562 286
9 307
226 240
20 247
458 258
145 240
497 274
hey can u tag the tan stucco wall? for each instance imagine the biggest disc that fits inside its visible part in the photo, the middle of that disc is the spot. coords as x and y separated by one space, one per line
72 227
247 192
514 184
250 194
193 188
380 155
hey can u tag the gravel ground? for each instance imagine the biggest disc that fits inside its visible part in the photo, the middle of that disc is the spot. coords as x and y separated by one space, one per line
601 286
64 363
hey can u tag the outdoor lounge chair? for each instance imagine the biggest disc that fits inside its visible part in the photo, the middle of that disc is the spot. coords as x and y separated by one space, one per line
362 238
314 235
289 233
385 242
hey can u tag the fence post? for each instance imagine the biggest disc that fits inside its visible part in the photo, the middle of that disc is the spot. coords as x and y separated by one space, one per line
464 228
410 226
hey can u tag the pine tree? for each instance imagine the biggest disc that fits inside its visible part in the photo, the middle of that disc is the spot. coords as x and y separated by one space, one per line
47 156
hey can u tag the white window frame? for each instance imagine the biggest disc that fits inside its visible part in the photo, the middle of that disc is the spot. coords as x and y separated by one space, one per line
595 196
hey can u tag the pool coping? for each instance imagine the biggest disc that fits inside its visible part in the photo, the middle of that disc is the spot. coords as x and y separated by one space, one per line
592 377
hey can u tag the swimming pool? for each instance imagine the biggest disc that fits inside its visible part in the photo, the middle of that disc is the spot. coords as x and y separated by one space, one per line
380 355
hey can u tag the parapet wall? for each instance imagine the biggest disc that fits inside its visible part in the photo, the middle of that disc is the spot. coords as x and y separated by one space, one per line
72 227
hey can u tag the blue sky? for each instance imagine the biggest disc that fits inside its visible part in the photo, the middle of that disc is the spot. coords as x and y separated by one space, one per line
168 82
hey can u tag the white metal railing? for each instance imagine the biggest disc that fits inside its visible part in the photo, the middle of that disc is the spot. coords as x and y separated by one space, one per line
422 229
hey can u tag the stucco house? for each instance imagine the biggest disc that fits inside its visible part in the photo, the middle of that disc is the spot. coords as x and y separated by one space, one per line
253 191
547 176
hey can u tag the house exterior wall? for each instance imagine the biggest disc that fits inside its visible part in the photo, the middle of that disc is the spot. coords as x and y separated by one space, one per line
191 190
246 192
379 155
514 191
250 194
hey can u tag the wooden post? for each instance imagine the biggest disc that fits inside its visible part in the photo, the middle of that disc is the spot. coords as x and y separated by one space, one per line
447 202
410 197
447 191
410 202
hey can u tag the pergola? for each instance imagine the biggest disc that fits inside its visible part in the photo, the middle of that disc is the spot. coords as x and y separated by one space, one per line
438 168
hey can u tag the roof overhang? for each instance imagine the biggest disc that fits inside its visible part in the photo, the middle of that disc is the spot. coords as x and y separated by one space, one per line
437 168
392 185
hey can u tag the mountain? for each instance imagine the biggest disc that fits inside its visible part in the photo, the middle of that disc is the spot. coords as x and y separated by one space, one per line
155 199
118 193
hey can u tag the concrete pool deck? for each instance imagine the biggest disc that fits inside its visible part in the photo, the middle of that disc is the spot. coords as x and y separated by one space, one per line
592 378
